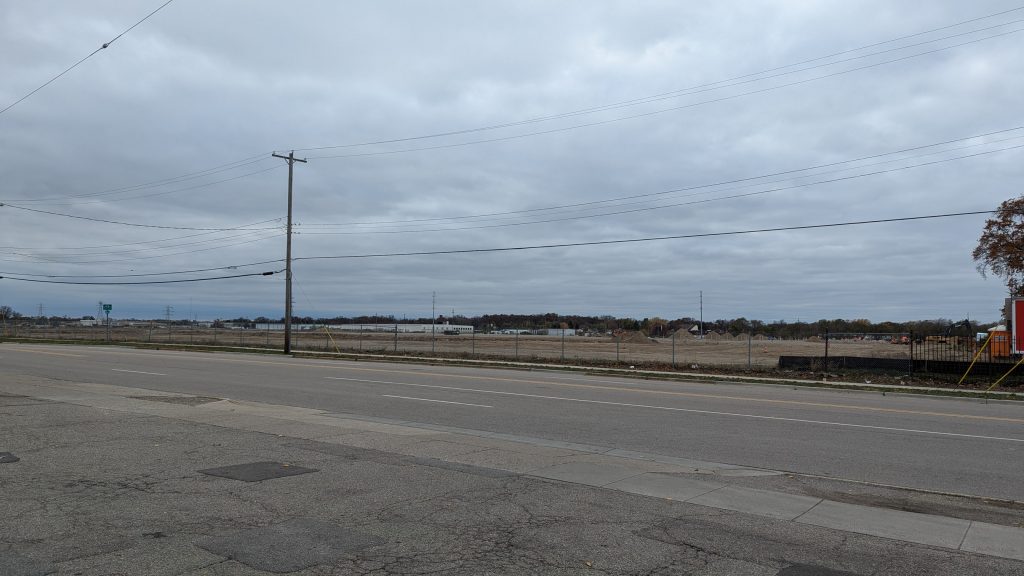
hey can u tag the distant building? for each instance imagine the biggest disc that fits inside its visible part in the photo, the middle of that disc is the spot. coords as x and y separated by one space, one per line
401 328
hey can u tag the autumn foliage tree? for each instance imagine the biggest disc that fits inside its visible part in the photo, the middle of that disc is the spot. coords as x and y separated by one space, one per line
1000 249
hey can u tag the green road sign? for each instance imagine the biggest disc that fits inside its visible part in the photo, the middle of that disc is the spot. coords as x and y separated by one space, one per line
108 307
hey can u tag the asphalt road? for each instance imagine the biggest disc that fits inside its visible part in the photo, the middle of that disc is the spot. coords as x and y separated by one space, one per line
942 444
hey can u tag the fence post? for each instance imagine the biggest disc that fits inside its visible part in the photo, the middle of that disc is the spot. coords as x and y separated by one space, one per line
617 348
674 349
563 344
396 337
473 350
826 350
911 370
360 337
750 349
517 344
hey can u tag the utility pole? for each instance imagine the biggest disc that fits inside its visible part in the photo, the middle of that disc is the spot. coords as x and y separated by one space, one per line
433 321
288 255
701 314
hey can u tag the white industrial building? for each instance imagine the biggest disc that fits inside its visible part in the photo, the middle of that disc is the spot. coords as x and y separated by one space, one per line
391 328
406 328
557 332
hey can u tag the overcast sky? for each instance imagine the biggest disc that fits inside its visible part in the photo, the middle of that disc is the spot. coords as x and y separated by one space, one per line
615 120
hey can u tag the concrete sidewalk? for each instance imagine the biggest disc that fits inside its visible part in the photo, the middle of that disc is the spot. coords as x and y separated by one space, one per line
113 480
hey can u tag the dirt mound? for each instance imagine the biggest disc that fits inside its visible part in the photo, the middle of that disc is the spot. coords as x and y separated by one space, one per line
632 337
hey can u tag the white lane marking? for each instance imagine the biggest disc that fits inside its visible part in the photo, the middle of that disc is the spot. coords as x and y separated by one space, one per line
691 410
440 401
138 372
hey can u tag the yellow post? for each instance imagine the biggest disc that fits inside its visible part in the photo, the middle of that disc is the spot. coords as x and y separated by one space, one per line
976 356
333 343
1007 374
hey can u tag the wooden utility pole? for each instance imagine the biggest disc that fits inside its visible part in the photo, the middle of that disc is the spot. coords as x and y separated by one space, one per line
288 256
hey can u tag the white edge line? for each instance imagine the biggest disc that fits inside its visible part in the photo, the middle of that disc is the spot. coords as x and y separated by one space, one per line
138 372
690 410
440 401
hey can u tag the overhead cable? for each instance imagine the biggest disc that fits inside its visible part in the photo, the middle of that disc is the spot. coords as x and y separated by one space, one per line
142 282
140 242
91 54
699 87
648 239
664 192
59 260
229 267
673 205
133 224
654 112
71 200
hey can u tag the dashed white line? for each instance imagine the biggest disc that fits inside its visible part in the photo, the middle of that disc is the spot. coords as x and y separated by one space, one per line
690 410
439 401
138 372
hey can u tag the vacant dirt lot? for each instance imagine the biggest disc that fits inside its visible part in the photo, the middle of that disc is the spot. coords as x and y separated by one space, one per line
685 350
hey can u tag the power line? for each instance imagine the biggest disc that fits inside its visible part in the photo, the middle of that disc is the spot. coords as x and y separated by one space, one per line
138 243
656 112
91 54
501 249
646 99
92 197
648 239
666 192
230 267
697 88
250 237
136 225
675 205
137 258
143 282
64 251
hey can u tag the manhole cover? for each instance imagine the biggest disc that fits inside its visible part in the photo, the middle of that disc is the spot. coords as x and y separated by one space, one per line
257 471
289 546
186 400
808 570
7 458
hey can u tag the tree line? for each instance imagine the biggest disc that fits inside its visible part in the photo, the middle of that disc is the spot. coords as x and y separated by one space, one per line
660 327
653 326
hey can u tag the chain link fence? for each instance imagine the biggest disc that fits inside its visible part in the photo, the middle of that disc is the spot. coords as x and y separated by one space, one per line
904 354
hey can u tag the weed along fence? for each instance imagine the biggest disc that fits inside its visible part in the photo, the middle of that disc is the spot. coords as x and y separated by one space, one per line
938 358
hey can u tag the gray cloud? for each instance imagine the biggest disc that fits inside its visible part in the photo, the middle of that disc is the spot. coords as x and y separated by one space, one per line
203 84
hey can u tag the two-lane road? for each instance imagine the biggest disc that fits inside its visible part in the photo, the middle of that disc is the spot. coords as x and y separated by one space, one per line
943 444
